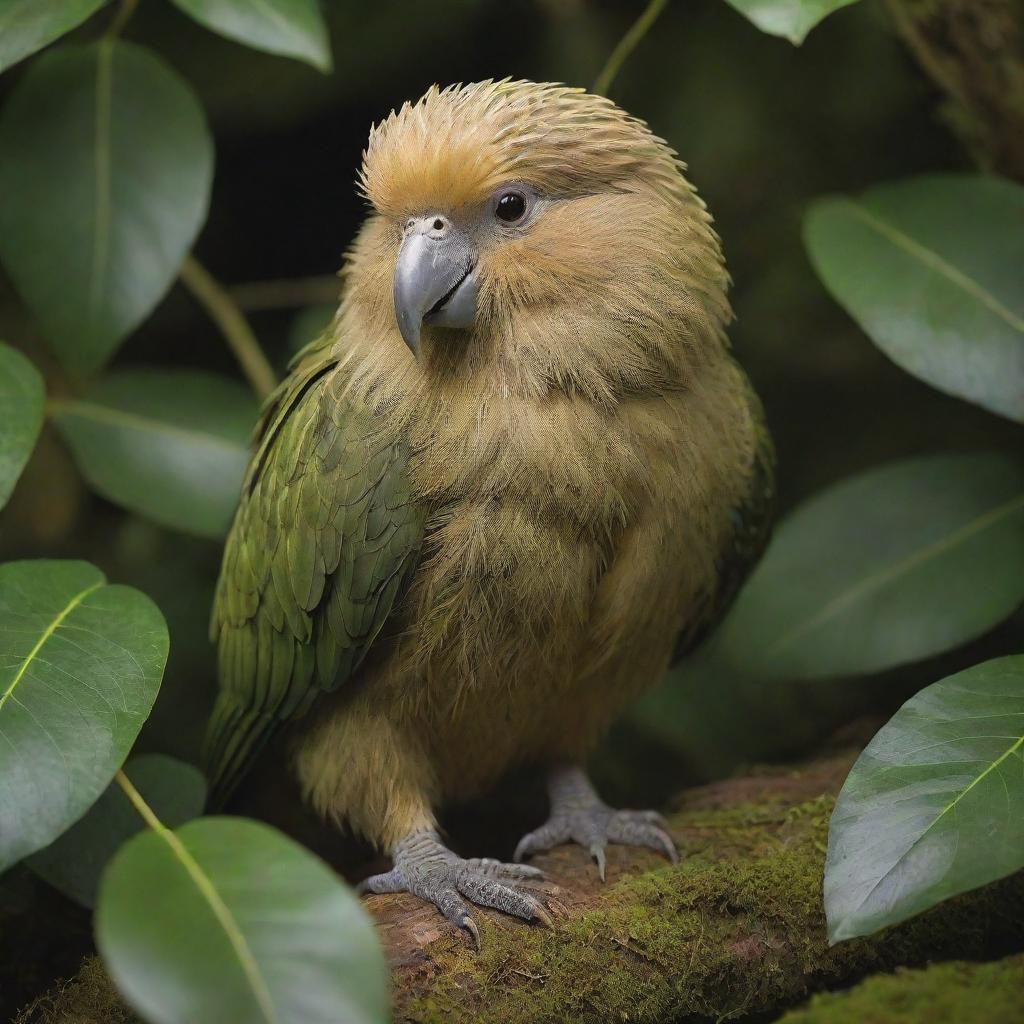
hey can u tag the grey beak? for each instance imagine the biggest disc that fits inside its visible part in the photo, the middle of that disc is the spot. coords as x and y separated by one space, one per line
435 278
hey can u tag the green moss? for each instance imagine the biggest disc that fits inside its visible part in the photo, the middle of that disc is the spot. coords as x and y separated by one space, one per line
736 928
951 993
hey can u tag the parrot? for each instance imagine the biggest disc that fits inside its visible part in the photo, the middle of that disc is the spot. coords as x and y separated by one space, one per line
519 476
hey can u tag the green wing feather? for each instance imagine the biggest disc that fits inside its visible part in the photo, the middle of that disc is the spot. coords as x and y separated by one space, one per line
752 523
324 539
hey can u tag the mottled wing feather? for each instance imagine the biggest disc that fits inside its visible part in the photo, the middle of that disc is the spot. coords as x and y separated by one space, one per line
752 525
324 539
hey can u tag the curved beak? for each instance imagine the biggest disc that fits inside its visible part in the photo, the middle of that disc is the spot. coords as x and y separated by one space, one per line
435 278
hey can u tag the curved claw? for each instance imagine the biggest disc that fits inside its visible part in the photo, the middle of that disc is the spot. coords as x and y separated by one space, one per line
579 815
469 925
425 867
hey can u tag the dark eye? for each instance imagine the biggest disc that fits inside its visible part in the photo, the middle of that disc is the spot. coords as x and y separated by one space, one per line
511 207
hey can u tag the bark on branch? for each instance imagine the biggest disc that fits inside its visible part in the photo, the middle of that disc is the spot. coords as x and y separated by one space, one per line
735 930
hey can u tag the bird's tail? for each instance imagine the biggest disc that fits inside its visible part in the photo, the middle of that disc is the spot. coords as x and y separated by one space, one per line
234 736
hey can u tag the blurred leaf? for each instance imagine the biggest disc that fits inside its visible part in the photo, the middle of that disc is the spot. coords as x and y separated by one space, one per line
226 919
22 394
80 666
170 444
292 28
932 269
74 862
29 25
791 19
934 805
308 325
105 170
889 567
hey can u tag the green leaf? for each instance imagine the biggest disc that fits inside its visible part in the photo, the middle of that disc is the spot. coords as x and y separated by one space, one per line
172 445
105 171
29 25
886 568
226 919
292 28
74 862
932 270
791 19
80 666
22 395
935 804
309 324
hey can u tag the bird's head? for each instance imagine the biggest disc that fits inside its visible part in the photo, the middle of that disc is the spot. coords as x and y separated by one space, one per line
541 225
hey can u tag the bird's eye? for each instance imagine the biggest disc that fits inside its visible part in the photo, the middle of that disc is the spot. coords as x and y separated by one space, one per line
511 207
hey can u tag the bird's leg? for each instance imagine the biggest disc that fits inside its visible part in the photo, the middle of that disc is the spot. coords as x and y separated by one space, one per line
426 867
580 816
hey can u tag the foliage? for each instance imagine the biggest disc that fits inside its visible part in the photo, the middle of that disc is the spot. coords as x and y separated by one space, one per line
170 444
76 860
106 174
80 665
126 198
273 934
935 805
21 416
792 19
108 153
928 268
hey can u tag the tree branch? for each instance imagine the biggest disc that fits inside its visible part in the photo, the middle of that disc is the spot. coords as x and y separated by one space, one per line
736 930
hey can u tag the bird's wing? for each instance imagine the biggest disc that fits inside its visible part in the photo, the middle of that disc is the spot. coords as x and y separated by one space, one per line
752 522
324 540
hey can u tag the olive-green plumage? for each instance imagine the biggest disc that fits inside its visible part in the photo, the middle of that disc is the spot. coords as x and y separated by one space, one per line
449 562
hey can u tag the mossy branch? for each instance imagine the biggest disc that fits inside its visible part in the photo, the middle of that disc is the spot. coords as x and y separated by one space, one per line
736 930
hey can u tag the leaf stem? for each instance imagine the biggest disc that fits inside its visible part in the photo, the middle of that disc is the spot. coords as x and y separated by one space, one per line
124 13
627 44
135 797
224 312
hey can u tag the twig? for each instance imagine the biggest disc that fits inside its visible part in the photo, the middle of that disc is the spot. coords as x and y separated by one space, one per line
289 293
125 11
224 312
627 44
137 801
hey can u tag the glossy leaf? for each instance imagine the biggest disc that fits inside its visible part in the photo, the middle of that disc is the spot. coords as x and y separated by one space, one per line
791 19
935 804
226 919
29 25
106 149
889 567
170 444
80 666
75 861
291 28
933 271
22 395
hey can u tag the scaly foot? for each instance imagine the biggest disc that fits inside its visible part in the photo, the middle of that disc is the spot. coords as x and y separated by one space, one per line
579 815
426 867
